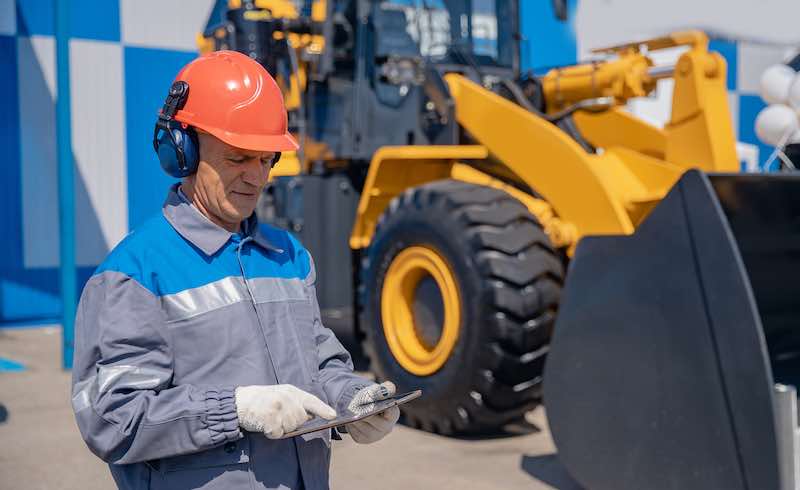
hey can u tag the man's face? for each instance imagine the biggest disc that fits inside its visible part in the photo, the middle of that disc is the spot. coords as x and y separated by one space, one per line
228 181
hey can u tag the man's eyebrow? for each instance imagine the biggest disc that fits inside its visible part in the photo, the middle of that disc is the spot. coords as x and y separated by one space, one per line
239 155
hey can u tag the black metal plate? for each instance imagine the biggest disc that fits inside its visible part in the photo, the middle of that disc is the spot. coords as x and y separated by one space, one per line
658 374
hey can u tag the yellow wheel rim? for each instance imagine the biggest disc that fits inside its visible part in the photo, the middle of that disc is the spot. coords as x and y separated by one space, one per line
400 287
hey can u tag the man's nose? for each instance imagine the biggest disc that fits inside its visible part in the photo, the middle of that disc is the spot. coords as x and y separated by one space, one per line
256 173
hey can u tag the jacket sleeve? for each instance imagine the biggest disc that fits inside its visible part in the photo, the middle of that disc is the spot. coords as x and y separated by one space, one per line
125 406
336 374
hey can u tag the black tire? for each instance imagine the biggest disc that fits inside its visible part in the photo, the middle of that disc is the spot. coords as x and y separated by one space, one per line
511 277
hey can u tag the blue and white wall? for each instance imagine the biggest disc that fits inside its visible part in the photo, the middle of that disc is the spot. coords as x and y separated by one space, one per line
123 56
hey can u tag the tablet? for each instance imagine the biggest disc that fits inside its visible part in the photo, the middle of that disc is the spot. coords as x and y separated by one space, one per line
318 423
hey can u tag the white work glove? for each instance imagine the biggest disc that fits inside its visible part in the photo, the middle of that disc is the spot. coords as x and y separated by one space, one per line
375 427
278 409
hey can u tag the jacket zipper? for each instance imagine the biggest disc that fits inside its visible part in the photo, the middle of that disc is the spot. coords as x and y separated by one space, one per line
255 306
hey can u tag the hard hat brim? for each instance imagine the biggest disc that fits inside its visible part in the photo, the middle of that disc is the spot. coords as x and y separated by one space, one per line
257 142
253 142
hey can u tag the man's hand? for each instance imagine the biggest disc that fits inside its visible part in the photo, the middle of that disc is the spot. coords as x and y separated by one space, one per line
374 428
276 410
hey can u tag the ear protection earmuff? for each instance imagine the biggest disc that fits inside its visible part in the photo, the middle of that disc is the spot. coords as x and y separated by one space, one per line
175 143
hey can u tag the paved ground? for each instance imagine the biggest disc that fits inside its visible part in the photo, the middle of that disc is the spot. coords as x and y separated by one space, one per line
40 448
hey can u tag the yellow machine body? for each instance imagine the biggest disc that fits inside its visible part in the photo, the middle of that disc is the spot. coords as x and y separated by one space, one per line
607 192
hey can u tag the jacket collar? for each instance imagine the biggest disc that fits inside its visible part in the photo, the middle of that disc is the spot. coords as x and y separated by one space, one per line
192 225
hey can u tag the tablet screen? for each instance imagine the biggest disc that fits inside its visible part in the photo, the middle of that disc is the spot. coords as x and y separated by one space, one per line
317 423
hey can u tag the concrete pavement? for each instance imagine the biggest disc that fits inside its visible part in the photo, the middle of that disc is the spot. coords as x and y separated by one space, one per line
41 449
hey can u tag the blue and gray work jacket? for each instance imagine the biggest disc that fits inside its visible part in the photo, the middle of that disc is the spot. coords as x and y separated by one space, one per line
181 313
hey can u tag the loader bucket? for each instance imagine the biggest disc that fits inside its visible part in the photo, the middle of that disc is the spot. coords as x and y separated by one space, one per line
669 342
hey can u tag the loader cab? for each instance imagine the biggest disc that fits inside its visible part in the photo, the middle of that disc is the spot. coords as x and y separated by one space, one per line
389 57
478 34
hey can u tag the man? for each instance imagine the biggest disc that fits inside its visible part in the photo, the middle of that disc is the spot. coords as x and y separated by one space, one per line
198 340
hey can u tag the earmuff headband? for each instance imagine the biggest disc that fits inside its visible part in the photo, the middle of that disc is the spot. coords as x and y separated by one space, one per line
176 99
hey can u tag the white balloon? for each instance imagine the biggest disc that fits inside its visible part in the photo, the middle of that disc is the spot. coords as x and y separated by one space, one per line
775 83
794 93
775 122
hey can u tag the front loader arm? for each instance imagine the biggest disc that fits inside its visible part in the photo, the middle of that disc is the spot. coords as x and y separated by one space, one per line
544 158
699 133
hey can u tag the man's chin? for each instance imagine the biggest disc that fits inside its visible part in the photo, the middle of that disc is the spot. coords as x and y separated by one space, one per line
240 213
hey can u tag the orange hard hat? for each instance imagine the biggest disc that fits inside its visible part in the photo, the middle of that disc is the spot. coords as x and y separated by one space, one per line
233 97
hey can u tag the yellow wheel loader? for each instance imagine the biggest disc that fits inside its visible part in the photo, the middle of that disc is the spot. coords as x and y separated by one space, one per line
443 195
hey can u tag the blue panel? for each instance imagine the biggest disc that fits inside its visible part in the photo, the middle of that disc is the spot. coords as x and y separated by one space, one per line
749 107
23 294
36 17
728 50
95 19
33 294
30 295
9 366
148 75
548 42
10 175
90 19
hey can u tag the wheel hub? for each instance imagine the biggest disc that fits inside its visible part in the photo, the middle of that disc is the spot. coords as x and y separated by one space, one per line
421 310
428 312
